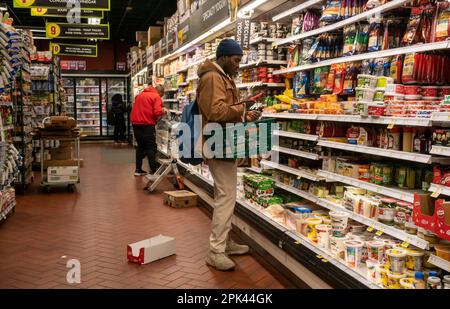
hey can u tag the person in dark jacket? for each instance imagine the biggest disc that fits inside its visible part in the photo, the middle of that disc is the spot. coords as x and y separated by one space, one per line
119 109
147 110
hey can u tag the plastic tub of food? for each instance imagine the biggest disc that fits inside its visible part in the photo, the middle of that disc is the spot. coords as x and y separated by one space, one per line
443 91
393 97
414 259
443 251
382 275
376 251
407 283
323 235
337 246
372 271
394 280
430 91
396 260
339 221
383 81
395 89
413 97
413 90
377 110
365 94
353 253
367 81
312 231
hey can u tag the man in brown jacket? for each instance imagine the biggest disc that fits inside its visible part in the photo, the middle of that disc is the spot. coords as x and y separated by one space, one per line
217 100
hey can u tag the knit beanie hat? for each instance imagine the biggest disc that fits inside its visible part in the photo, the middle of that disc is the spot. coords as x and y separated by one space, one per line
229 47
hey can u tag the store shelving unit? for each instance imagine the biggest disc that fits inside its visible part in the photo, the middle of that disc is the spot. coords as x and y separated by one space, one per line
297 153
306 137
439 262
401 155
397 193
440 150
263 62
260 84
439 189
298 172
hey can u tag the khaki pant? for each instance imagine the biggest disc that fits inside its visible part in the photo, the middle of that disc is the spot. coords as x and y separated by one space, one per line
224 173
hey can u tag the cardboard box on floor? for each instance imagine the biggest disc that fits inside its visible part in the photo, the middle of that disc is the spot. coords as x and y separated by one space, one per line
180 199
150 250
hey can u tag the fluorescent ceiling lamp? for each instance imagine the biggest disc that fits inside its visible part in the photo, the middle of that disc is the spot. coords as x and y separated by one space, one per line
296 9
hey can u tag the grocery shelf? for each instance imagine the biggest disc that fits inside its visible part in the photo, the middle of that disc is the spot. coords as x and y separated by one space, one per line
94 106
260 84
88 94
170 100
89 125
88 86
262 40
6 104
183 84
294 171
198 62
440 150
88 113
257 170
439 189
401 155
307 137
371 55
173 111
439 262
262 62
359 17
401 121
187 167
308 196
88 119
407 196
295 9
297 153
171 90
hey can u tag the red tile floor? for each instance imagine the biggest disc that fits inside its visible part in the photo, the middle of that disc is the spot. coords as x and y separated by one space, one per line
94 225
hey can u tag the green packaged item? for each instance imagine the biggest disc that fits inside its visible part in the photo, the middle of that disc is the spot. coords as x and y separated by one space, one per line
272 200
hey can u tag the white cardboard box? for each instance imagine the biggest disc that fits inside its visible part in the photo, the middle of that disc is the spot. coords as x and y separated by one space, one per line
62 171
150 250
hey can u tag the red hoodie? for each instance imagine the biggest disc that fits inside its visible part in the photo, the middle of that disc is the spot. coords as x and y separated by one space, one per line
147 108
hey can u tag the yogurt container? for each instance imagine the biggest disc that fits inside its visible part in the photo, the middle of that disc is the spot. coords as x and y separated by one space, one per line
371 271
394 280
382 275
375 251
443 91
367 81
393 89
379 95
407 283
337 246
413 97
383 81
396 260
339 222
353 253
412 90
323 235
414 260
365 94
312 231
430 91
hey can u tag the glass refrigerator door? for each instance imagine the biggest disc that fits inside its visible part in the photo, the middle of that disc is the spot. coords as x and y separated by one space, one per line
88 106
115 86
69 87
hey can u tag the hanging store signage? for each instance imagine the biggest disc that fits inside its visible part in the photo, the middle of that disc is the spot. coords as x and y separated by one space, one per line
183 32
163 47
96 5
77 31
211 13
74 50
243 33
43 12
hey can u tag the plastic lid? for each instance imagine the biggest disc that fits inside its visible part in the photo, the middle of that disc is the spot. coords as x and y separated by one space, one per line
419 275
433 274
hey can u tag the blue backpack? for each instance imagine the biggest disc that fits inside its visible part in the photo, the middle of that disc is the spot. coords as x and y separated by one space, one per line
190 120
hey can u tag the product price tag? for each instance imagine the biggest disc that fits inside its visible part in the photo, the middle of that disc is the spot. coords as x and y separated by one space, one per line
391 126
325 260
379 233
436 193
298 242
299 177
319 257
370 229
405 244
275 46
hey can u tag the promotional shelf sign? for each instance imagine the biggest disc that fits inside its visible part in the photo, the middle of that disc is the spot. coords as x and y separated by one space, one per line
77 31
74 50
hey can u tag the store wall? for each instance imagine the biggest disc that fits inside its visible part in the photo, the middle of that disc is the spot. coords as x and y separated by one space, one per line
108 54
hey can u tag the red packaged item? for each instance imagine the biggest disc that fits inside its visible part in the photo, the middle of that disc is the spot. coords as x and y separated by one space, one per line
442 30
437 175
412 28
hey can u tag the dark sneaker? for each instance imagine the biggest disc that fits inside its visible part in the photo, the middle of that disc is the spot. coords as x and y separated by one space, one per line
140 173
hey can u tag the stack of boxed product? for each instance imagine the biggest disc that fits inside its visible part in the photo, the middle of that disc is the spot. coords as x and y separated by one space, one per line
62 174
260 189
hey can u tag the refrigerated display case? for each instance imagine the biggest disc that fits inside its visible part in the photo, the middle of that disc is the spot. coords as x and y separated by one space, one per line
89 99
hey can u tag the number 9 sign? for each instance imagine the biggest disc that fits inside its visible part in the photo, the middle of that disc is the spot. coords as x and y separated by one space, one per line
23 3
53 30
55 48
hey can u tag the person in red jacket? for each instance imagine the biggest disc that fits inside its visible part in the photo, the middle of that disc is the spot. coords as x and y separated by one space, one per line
147 109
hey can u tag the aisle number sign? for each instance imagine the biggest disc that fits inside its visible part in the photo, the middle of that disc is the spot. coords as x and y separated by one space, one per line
74 50
95 5
43 12
77 31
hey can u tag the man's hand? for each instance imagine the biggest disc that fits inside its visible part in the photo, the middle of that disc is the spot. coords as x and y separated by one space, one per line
252 116
165 110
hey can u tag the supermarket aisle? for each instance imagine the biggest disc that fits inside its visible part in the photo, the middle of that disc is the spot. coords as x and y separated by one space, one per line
94 226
